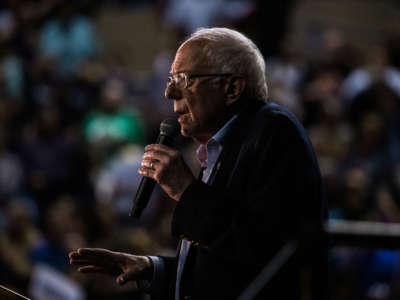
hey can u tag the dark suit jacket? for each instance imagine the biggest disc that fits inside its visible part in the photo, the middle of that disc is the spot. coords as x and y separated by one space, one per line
265 190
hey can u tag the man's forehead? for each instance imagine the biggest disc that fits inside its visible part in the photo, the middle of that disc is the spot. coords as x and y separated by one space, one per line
190 57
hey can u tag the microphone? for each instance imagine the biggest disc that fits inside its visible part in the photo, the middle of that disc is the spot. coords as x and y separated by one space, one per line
169 129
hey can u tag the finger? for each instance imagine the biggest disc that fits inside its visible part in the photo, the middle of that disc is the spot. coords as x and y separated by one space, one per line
158 147
149 163
147 172
73 254
120 280
92 269
77 255
128 276
80 262
89 251
94 252
159 156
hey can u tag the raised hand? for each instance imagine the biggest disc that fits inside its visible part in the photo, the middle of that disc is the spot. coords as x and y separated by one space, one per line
126 267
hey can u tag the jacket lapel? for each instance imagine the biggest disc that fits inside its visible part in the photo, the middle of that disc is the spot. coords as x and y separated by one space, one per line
233 145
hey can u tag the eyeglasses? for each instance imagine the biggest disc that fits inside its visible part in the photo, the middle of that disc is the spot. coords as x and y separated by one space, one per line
183 80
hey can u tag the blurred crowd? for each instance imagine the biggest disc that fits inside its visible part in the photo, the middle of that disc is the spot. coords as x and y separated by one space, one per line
73 126
348 98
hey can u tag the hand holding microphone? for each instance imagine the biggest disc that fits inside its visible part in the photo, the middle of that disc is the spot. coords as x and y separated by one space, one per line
164 165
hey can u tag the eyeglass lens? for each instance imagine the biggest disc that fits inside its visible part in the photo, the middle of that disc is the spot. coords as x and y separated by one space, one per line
180 80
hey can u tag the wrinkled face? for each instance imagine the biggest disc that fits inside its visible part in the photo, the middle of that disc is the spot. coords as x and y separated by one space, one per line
201 106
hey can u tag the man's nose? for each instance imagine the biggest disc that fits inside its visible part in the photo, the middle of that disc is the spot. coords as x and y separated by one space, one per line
172 92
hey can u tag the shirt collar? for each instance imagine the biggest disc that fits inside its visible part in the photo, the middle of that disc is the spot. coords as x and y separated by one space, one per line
219 136
213 147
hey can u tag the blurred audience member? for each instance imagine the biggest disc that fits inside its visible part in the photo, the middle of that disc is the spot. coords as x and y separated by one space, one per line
113 124
53 159
68 39
17 239
63 230
11 172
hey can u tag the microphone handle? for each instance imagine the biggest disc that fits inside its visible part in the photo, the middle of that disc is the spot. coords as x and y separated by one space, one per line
142 197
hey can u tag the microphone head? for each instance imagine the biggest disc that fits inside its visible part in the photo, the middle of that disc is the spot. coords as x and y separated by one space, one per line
170 127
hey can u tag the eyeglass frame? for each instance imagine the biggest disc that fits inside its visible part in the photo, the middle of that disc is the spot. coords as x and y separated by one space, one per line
187 77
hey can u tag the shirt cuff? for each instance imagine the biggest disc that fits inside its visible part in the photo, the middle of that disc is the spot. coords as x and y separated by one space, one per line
157 281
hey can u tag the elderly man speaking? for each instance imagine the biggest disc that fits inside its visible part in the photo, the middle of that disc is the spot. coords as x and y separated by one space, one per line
260 190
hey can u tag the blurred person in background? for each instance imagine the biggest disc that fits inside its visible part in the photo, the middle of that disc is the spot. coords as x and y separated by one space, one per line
11 172
18 237
260 188
54 160
68 39
113 124
185 16
63 230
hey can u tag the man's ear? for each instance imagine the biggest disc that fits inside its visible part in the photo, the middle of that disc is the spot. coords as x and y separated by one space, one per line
234 89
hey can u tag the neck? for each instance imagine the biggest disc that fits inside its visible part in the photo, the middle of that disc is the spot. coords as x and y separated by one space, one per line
204 138
230 111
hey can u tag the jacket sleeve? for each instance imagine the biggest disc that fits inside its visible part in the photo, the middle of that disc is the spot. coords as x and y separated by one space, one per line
162 284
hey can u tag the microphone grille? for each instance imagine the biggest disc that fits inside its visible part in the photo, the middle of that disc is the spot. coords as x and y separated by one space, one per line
170 127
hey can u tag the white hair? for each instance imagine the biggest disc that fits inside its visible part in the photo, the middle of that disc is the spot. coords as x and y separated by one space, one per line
232 52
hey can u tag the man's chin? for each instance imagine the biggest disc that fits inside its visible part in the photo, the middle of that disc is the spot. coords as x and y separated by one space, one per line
191 133
188 129
185 131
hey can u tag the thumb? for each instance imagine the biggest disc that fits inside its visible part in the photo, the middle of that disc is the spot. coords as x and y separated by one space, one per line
125 277
121 280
